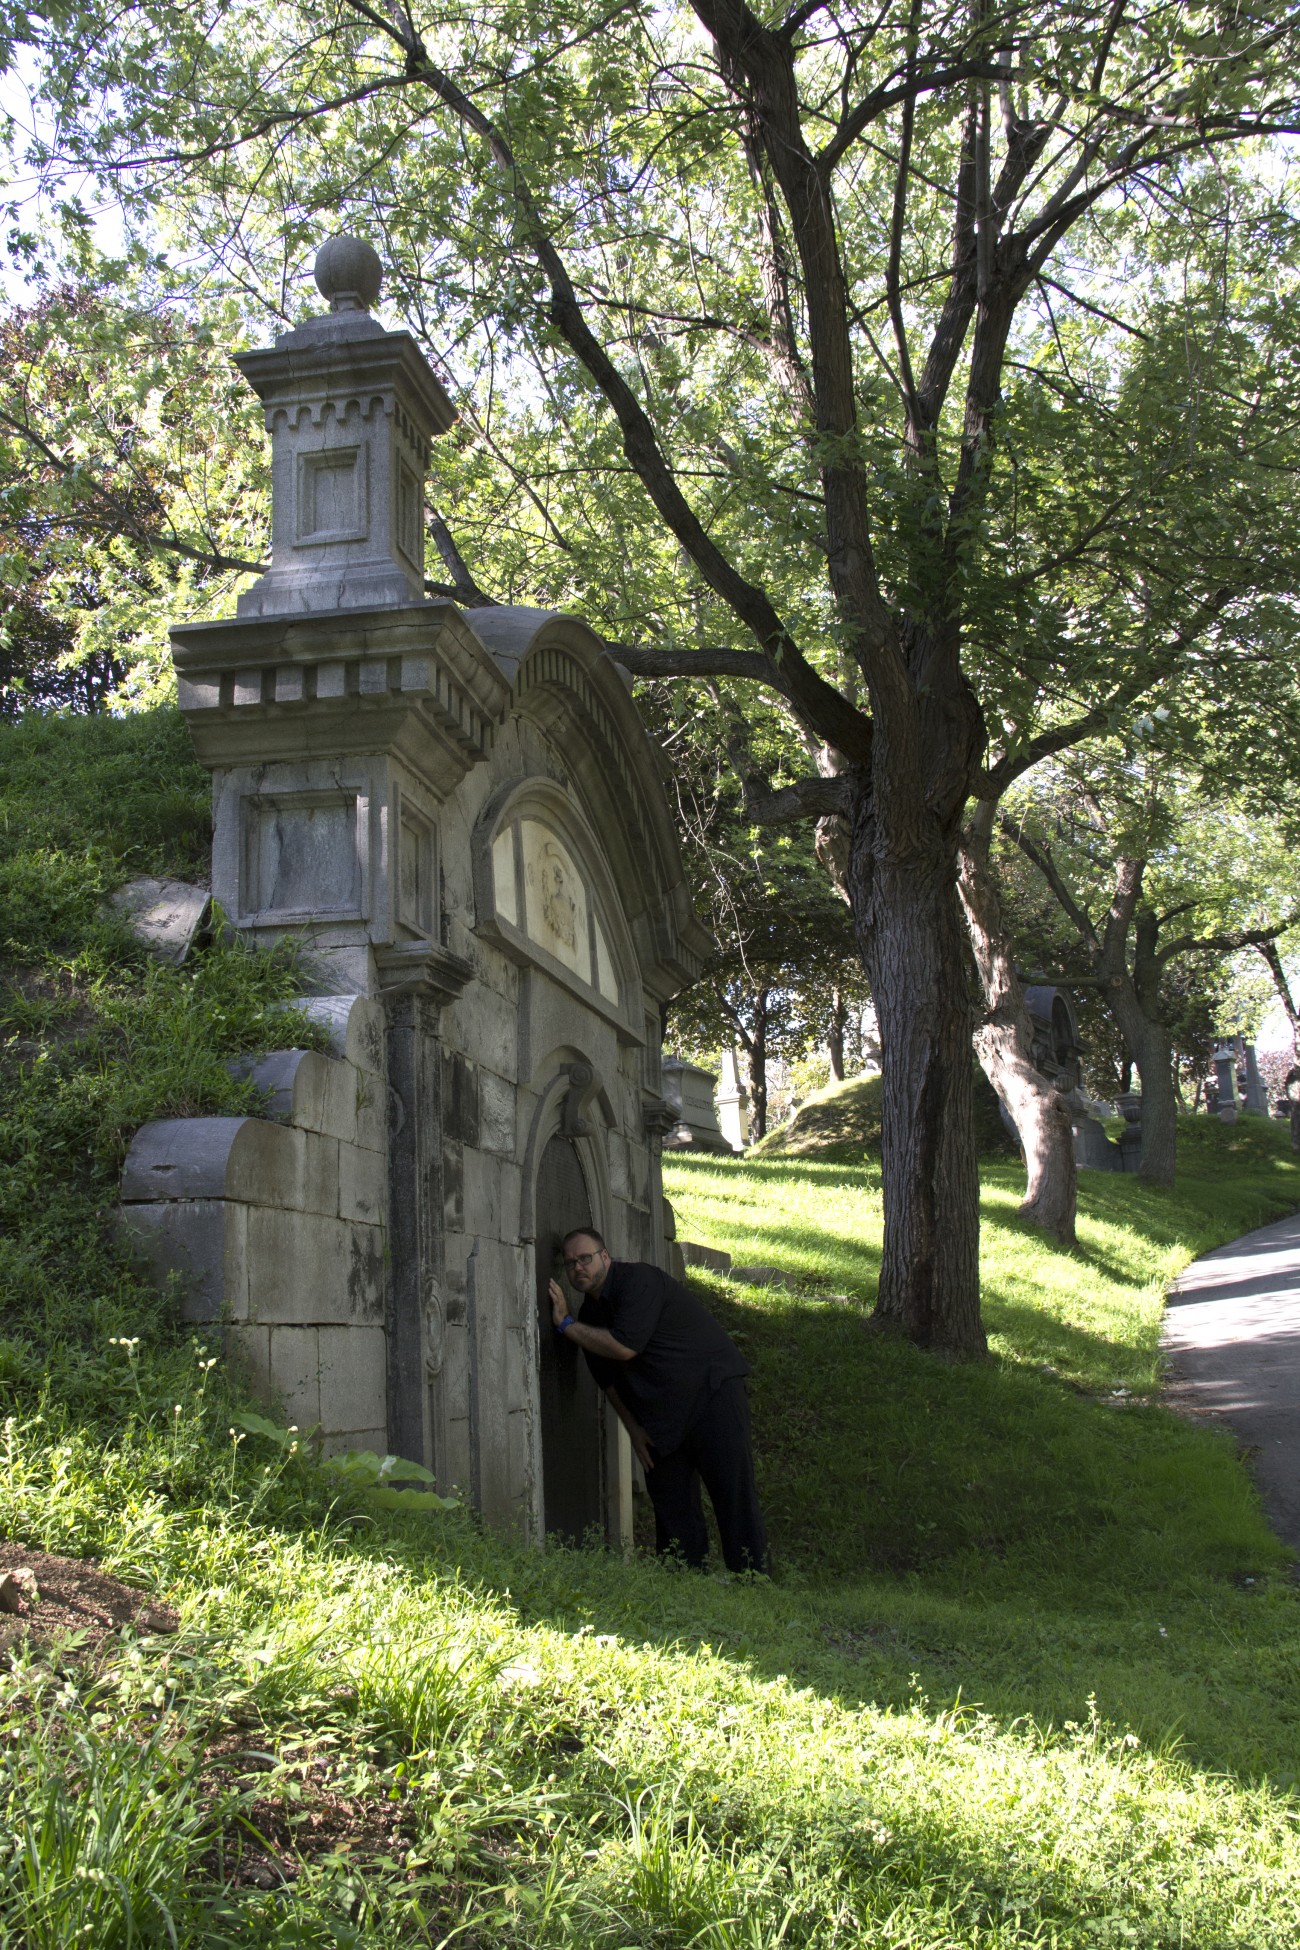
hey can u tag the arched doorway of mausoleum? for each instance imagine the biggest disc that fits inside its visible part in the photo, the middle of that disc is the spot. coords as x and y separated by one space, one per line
572 1407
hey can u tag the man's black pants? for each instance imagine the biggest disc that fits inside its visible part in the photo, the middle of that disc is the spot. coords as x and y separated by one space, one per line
717 1448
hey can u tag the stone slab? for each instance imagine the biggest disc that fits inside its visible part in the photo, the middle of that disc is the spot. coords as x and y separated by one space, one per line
709 1257
305 1088
491 1191
460 1107
370 1110
248 1349
293 1374
376 1440
517 1379
485 1025
454 1477
187 1238
353 1379
181 1158
363 1185
498 1101
518 1511
167 915
246 1158
354 1024
307 1268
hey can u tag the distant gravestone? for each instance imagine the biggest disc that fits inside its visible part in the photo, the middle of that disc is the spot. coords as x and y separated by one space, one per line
1225 1077
689 1091
733 1103
1056 1052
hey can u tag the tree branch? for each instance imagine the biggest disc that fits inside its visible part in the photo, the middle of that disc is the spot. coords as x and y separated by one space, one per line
118 516
1228 940
720 661
1041 857
1273 962
786 669
882 99
810 798
464 588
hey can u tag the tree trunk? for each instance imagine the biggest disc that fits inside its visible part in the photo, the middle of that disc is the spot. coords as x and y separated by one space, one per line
1151 1047
835 1039
1155 1061
1154 1054
1004 1041
910 930
1273 962
758 1066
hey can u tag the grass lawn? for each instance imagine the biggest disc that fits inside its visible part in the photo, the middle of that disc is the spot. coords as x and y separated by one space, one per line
1037 1531
1028 1674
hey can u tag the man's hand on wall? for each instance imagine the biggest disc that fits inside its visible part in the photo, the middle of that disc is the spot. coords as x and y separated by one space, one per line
559 1305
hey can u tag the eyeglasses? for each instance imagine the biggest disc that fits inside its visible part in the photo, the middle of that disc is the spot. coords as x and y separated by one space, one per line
581 1259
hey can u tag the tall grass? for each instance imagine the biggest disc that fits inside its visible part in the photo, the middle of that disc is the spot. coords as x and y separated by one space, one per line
102 1824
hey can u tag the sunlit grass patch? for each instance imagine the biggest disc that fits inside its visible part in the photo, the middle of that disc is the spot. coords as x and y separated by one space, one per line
1026 1675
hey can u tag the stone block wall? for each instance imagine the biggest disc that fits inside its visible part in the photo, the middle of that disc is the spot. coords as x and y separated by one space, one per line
276 1225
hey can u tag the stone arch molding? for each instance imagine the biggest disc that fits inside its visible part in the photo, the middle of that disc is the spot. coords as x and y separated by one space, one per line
574 1103
544 893
564 678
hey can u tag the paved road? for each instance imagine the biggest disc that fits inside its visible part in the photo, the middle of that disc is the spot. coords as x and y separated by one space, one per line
1232 1334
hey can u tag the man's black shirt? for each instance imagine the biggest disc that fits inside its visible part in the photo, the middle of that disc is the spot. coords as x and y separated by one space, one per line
682 1355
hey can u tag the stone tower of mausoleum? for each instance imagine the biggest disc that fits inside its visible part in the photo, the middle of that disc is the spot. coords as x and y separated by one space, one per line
462 818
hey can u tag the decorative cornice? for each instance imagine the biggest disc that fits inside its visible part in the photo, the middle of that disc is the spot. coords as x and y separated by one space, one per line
659 1117
272 688
424 969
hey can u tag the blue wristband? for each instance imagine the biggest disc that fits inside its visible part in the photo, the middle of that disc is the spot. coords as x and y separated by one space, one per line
562 1325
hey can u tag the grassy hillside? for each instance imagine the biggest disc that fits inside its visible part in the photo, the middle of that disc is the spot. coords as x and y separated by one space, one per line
841 1124
1028 1673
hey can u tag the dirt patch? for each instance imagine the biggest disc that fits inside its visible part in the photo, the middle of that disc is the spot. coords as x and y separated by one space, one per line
302 1816
75 1602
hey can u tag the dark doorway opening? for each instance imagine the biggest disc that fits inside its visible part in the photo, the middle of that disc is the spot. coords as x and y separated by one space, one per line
573 1408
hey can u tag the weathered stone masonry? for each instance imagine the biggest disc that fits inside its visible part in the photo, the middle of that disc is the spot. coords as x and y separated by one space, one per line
461 815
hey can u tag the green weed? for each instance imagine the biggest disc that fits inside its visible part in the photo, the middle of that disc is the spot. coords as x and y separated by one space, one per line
102 1824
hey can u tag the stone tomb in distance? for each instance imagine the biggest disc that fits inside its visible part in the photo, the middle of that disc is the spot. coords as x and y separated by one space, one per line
462 817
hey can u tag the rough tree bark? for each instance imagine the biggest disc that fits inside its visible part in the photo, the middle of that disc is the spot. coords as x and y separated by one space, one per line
1273 962
916 966
1004 1041
1135 1003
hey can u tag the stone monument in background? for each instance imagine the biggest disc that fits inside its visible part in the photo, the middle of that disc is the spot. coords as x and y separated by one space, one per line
689 1092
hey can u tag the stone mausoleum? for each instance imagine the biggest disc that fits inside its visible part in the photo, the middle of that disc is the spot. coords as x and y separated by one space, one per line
463 819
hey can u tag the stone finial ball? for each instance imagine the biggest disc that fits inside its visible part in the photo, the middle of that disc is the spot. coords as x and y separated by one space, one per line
348 268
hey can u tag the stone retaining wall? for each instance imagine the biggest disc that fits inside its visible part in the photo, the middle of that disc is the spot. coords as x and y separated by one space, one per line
276 1226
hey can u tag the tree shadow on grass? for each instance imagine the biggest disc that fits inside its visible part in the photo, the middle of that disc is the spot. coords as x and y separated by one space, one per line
983 1530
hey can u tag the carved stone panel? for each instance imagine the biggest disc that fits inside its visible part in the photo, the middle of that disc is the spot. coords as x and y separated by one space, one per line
304 856
543 895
